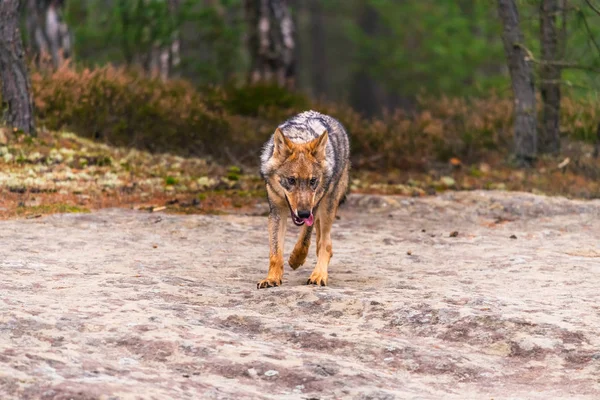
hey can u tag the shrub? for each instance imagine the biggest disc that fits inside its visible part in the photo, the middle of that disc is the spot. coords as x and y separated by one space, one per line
231 123
126 108
262 99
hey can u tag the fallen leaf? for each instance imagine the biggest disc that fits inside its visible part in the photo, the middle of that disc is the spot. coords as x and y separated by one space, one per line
584 253
447 181
455 162
564 163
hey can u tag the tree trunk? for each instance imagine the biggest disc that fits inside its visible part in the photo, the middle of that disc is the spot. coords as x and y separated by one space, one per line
364 90
521 75
164 59
170 57
318 49
16 89
142 43
173 55
47 31
271 42
126 21
549 139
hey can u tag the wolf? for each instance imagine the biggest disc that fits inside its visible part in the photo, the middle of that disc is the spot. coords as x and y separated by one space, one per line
305 165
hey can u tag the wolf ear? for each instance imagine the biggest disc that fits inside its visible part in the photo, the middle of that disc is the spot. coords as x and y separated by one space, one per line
318 146
282 146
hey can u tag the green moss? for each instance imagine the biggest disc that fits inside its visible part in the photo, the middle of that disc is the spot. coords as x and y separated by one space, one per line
251 193
51 209
475 172
170 181
233 173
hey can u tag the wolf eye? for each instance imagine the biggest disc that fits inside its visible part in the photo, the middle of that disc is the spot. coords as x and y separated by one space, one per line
313 181
291 180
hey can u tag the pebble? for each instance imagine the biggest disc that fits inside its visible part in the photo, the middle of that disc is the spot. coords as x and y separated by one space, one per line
252 373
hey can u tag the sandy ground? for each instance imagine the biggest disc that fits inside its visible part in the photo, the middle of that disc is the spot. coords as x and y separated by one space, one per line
122 304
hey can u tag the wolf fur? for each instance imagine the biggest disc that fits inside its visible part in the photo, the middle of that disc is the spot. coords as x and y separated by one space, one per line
305 165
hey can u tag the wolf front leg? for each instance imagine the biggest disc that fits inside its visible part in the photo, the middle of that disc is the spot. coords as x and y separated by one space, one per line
300 251
324 250
277 224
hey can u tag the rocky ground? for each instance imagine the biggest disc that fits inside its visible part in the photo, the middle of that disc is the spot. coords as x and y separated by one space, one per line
470 295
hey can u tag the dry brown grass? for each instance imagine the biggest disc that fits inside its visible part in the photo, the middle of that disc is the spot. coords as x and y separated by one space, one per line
168 144
127 109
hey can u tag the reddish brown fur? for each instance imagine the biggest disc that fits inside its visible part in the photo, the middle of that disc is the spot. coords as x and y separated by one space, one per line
302 162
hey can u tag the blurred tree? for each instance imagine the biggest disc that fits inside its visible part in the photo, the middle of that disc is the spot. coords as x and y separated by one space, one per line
17 106
318 48
271 42
149 34
521 74
212 42
578 51
432 46
331 49
550 75
47 31
327 56
199 39
363 92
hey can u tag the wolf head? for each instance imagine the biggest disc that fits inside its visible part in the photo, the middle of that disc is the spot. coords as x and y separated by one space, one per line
297 171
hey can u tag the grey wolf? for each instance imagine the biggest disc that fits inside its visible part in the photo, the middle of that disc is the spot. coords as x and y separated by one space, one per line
305 165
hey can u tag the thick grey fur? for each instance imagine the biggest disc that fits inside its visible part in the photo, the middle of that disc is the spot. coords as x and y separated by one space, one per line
306 126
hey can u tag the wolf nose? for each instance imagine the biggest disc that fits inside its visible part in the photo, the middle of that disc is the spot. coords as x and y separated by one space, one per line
304 214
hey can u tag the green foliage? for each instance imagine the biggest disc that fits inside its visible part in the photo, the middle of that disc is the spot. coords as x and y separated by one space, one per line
455 47
135 25
217 40
430 46
251 100
581 48
126 32
143 24
92 25
450 47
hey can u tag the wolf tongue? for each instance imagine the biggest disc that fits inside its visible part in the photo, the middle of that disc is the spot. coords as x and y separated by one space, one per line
309 221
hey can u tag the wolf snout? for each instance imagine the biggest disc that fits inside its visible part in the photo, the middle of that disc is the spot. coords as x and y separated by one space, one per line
304 214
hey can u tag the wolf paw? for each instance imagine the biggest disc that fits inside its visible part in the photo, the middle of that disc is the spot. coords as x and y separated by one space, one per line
267 283
317 278
297 259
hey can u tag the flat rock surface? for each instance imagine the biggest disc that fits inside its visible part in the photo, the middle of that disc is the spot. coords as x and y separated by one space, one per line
122 304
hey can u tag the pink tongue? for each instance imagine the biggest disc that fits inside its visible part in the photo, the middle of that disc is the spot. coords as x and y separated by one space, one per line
309 221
